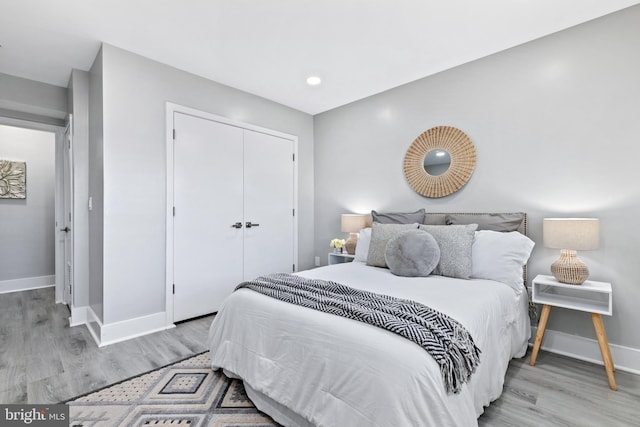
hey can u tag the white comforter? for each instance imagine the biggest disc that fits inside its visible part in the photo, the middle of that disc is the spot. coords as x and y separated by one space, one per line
334 371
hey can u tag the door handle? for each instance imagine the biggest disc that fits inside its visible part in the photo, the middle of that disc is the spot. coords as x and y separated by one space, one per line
66 229
249 224
237 225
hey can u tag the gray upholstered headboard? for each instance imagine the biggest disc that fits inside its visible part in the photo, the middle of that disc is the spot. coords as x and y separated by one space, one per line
440 218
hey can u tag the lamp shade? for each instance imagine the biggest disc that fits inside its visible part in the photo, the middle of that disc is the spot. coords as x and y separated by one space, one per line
578 234
352 223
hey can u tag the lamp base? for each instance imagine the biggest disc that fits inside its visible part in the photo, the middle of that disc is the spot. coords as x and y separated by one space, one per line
351 243
569 268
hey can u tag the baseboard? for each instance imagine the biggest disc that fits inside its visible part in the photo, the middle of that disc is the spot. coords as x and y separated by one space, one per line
94 325
112 333
120 331
624 358
26 284
79 316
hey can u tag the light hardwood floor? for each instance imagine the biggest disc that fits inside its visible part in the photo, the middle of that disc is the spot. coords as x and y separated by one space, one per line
561 391
42 360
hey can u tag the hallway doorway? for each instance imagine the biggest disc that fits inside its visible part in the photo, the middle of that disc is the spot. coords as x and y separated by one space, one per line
32 242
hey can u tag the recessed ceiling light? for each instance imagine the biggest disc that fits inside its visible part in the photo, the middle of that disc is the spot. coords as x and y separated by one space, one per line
314 80
440 153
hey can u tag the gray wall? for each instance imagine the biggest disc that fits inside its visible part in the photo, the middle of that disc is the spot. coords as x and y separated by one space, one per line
79 106
555 124
25 99
135 91
27 225
96 185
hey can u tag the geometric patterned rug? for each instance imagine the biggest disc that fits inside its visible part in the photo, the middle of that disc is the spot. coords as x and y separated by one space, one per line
187 393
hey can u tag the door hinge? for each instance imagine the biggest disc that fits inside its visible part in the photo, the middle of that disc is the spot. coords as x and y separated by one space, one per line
294 267
174 134
294 157
174 211
174 288
294 212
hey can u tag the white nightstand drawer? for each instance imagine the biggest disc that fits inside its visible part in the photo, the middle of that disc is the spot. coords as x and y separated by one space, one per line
591 296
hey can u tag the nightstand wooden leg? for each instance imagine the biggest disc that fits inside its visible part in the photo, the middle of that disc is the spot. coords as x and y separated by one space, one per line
542 325
604 349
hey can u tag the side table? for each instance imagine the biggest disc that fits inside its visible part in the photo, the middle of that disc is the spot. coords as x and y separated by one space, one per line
339 258
591 296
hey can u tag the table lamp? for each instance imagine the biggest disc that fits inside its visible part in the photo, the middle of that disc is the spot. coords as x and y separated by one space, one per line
352 224
570 235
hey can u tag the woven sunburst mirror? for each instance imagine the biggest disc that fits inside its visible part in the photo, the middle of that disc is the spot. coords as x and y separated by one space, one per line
440 140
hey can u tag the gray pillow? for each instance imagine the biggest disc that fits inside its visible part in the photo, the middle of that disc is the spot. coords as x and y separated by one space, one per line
455 243
412 253
380 235
494 221
398 217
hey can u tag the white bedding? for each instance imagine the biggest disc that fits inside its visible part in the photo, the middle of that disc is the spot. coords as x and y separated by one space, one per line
333 371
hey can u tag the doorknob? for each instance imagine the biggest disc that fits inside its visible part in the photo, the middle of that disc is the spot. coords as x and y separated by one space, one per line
66 229
237 225
249 224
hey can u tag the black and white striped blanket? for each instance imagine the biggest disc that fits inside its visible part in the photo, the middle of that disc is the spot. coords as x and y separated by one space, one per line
445 339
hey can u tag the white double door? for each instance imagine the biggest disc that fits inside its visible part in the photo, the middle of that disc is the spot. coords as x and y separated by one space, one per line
233 215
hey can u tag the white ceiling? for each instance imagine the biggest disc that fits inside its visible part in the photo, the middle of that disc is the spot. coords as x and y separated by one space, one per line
270 47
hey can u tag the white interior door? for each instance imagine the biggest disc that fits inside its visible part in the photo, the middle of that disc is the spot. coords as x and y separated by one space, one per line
208 191
268 201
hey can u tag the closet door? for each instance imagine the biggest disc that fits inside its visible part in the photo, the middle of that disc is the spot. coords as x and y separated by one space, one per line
208 200
268 201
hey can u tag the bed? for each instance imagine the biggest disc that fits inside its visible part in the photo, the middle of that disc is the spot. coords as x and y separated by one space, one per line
309 368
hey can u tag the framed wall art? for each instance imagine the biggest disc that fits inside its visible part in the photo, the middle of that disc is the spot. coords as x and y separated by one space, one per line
13 179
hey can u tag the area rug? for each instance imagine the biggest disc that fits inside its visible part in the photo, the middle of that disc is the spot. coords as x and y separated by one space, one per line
187 393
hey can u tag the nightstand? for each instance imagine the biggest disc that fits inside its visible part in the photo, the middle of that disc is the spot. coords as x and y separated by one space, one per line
336 258
592 297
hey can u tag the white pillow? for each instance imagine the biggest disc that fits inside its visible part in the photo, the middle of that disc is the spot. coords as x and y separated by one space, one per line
500 256
362 248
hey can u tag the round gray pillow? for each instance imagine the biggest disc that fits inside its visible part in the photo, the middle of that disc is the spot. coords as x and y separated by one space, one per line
412 253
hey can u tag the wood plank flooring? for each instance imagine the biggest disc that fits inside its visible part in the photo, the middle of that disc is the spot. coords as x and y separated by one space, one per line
561 391
42 360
